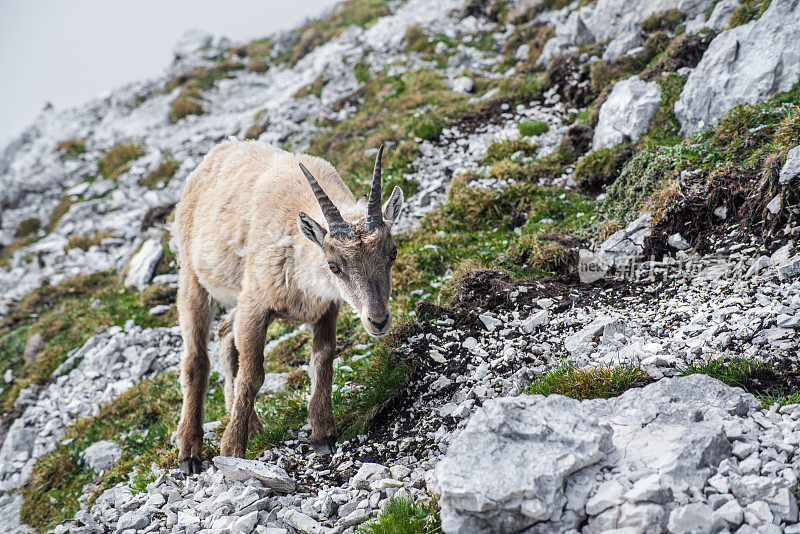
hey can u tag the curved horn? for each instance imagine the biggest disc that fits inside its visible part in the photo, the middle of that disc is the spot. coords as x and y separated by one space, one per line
336 224
374 211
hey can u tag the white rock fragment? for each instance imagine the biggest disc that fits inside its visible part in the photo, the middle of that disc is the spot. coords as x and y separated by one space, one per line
102 455
627 112
241 470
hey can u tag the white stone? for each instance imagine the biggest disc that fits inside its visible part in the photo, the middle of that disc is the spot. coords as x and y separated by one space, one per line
791 168
102 455
463 84
242 470
143 264
677 241
627 112
534 321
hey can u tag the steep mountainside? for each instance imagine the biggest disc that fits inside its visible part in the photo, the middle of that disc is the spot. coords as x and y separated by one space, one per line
597 286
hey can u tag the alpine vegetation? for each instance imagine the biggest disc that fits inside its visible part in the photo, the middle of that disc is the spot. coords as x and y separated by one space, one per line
273 234
584 319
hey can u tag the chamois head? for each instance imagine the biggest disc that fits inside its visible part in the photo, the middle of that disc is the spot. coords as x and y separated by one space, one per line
360 256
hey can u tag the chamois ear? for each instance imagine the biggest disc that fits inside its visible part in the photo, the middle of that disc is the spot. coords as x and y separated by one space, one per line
393 206
310 228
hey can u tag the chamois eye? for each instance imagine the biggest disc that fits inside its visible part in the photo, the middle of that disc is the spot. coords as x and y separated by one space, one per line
393 254
334 268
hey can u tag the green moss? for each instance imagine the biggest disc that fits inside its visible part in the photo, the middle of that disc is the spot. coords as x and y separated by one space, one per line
601 167
590 382
117 160
362 72
162 175
531 128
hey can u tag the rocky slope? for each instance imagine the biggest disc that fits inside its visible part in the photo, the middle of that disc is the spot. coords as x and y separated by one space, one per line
524 133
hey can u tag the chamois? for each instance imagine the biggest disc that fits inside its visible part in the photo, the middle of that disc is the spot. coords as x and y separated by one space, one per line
254 236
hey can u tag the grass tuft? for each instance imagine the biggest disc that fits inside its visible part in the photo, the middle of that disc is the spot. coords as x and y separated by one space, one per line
188 102
532 128
601 167
589 383
666 20
162 175
117 160
402 516
85 242
736 371
71 148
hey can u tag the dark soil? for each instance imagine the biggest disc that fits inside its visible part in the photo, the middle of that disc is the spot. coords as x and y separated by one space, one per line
156 216
743 192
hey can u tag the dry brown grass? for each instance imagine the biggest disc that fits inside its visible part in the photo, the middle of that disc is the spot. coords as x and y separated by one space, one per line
86 242
60 210
314 88
259 66
663 199
117 160
187 103
71 148
162 175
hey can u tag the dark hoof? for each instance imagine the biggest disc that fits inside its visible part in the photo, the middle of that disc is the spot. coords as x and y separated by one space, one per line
191 466
325 445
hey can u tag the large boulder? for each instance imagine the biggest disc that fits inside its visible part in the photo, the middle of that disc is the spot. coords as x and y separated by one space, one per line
627 112
742 65
624 462
507 470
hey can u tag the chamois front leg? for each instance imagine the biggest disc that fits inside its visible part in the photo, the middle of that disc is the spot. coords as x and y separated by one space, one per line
194 309
320 411
250 326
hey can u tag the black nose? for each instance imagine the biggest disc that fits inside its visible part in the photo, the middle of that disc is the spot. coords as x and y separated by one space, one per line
379 324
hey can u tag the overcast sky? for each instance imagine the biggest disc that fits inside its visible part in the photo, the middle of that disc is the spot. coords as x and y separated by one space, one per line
69 51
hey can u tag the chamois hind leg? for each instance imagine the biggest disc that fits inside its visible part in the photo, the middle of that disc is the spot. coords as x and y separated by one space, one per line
320 410
250 326
194 309
229 358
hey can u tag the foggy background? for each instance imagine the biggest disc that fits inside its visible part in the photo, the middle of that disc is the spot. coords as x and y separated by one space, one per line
69 51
